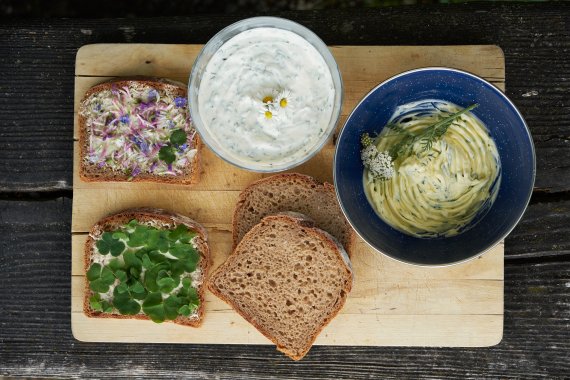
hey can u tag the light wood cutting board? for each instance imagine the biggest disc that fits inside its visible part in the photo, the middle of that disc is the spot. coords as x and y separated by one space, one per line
391 304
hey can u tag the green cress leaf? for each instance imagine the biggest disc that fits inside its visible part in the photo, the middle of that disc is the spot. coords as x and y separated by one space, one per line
124 303
152 240
139 236
153 307
95 302
106 306
94 272
108 244
157 257
137 287
146 262
163 244
122 288
184 310
177 267
186 283
193 296
107 275
167 154
119 235
178 137
178 232
132 261
135 273
117 248
115 265
171 306
100 278
121 275
166 284
151 275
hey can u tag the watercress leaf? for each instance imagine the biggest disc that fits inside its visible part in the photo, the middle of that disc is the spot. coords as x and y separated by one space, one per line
107 276
95 297
163 245
154 308
137 287
151 276
96 305
139 236
193 296
99 286
132 261
124 304
103 247
117 247
106 306
177 268
184 310
94 272
107 236
166 284
122 288
146 262
191 262
135 273
171 306
167 154
179 231
121 275
186 283
119 235
115 265
152 239
157 257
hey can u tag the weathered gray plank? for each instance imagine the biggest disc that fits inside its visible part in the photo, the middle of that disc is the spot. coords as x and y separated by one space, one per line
37 63
36 340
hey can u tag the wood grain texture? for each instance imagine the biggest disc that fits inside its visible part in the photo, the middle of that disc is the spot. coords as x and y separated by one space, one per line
37 63
39 57
36 297
402 309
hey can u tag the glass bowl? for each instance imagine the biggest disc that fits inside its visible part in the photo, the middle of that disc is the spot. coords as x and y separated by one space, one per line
199 68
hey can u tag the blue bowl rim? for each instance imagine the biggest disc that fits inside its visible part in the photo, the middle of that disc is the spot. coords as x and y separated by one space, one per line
492 87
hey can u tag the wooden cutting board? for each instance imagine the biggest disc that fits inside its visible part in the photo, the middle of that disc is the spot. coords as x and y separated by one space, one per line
391 304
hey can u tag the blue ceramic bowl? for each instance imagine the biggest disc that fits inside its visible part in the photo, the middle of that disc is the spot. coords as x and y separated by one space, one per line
508 129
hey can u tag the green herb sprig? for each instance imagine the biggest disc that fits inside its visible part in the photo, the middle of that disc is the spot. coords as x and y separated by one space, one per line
147 263
426 137
168 152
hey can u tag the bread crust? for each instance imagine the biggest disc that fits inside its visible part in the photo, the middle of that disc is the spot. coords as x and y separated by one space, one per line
284 177
306 223
148 214
191 173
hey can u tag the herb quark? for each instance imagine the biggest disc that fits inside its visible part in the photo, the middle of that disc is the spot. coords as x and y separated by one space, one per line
150 272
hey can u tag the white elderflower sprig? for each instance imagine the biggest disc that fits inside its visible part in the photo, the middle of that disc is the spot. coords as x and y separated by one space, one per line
379 164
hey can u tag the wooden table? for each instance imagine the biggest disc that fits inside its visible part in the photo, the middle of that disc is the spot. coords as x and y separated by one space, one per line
36 144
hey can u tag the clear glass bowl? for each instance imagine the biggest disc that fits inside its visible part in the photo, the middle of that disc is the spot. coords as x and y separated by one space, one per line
199 68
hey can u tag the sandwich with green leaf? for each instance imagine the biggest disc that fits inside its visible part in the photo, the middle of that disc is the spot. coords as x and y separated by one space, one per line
146 264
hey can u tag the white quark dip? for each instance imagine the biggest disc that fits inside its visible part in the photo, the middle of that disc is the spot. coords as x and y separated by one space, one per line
267 96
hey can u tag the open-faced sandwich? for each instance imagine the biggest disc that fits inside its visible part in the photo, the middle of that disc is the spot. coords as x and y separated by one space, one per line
146 264
138 130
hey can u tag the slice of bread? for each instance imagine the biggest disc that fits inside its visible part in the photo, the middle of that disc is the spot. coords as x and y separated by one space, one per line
288 279
162 220
124 123
291 192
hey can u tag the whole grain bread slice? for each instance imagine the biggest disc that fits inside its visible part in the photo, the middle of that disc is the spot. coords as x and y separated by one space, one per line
92 172
291 192
160 219
288 279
